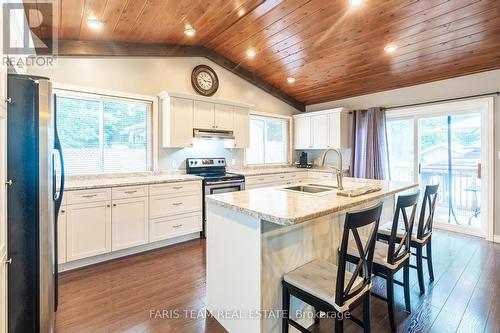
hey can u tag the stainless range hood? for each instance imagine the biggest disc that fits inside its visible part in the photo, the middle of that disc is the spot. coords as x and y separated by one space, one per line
213 134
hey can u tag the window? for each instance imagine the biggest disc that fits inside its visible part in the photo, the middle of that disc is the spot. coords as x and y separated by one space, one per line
268 141
102 134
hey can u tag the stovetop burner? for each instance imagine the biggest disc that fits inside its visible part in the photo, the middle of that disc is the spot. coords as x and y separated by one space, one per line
211 169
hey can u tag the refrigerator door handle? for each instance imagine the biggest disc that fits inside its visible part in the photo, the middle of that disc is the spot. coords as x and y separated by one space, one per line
58 194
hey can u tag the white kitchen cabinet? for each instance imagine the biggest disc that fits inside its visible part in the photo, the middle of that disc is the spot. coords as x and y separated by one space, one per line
322 130
130 223
182 113
177 120
241 129
173 226
224 117
204 115
3 179
338 134
61 235
3 293
302 132
213 116
88 227
319 131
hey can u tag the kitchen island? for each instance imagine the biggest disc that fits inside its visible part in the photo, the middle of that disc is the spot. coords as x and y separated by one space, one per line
254 237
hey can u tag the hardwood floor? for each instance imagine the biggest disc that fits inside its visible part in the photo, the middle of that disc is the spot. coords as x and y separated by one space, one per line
133 294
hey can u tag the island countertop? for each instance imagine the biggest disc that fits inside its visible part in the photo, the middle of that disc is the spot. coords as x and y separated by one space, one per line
283 207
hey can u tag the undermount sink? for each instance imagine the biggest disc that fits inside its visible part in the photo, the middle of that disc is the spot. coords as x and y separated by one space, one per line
307 189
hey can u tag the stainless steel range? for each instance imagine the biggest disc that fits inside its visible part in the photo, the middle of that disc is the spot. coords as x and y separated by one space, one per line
215 178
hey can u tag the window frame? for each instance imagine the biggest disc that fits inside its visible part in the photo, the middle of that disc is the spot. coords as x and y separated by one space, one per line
119 95
288 119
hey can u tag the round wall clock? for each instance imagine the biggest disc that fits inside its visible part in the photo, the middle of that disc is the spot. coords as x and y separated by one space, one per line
204 80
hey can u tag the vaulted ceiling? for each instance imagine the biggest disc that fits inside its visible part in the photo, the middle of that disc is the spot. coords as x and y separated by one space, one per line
333 50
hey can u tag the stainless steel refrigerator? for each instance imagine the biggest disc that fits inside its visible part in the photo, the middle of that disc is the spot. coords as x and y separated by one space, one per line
33 198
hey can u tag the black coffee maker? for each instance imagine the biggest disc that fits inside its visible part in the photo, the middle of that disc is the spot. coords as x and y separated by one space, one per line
302 163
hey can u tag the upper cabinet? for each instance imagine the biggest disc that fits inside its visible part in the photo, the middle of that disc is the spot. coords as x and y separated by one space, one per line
322 130
182 113
203 115
177 119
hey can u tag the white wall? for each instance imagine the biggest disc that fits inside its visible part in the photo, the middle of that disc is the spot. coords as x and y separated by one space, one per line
457 87
149 76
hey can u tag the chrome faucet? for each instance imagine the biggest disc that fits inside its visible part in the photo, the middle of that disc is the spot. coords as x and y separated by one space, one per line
339 171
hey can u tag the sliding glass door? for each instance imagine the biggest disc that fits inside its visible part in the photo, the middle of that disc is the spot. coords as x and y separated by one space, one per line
442 144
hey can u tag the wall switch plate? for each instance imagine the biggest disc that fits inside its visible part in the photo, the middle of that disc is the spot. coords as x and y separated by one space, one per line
174 164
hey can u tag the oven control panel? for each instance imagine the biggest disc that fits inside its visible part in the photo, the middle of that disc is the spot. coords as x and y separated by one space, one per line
205 162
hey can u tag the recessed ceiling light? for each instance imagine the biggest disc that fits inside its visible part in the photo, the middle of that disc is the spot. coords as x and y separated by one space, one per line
94 23
390 48
290 80
355 2
251 53
241 12
190 31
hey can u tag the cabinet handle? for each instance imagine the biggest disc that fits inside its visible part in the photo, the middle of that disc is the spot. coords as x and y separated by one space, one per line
177 187
261 179
114 205
90 195
108 206
177 226
282 177
63 211
130 192
177 203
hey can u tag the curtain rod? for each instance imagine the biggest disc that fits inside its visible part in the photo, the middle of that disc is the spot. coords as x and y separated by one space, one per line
442 100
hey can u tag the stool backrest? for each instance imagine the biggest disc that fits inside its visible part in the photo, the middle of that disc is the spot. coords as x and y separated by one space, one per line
405 204
427 211
354 221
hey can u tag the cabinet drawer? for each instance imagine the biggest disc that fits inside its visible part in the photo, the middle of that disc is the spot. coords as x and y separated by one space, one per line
165 205
169 227
295 176
82 196
129 192
175 188
321 175
253 180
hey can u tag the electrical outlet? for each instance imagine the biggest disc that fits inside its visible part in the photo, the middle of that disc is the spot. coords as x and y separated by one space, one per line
174 164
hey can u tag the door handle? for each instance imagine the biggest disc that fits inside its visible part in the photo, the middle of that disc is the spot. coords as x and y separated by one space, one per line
8 261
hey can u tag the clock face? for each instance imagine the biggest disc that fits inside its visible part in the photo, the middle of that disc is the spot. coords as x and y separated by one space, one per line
204 80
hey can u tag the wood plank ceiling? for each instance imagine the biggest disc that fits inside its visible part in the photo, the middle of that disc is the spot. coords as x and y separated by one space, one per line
333 50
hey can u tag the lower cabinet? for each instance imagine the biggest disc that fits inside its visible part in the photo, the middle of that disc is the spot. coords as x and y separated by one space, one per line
3 294
168 227
61 235
88 228
100 221
129 222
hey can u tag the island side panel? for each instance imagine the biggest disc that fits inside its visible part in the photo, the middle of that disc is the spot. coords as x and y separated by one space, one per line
285 248
233 268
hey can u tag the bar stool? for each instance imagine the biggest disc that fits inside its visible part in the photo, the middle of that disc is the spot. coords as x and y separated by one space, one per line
422 236
330 288
390 257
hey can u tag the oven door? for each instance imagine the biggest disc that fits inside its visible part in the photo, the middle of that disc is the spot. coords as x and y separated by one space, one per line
224 186
220 187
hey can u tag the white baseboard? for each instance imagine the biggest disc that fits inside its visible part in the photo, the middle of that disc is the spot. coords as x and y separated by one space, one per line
496 238
126 252
460 229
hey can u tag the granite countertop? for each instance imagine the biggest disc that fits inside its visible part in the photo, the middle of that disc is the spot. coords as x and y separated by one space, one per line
273 170
93 182
287 208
